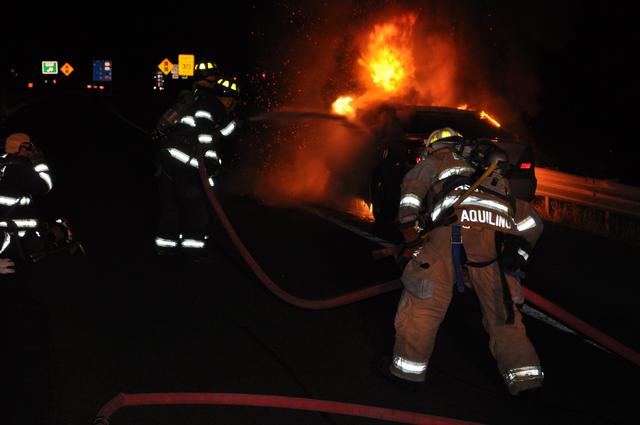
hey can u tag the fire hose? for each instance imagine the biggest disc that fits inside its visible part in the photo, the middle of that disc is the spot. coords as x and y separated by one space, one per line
547 306
260 400
324 406
304 303
386 287
321 406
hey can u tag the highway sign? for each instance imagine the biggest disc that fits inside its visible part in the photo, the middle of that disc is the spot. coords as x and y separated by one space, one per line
165 66
102 70
49 67
186 65
66 69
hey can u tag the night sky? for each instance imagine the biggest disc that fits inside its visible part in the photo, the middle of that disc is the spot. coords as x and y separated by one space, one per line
564 70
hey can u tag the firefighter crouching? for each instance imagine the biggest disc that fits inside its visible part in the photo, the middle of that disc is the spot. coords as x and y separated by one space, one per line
24 175
494 230
200 119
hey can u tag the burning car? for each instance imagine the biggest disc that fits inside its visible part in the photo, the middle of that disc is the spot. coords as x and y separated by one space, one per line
399 132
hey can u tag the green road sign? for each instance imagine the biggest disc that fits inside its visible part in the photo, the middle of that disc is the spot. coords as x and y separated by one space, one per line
49 67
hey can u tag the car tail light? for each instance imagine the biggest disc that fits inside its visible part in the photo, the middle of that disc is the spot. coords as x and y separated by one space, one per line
418 159
525 165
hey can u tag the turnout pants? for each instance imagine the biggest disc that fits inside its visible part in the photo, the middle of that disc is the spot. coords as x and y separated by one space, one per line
185 211
428 281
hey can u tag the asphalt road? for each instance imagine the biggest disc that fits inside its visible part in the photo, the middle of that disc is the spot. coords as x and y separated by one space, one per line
123 320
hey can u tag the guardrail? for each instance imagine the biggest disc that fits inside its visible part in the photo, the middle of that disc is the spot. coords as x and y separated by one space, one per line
601 194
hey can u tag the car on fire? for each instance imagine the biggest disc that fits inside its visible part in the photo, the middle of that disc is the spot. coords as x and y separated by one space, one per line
399 133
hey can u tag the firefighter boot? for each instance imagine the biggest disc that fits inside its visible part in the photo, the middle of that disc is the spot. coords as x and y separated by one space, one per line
383 370
199 255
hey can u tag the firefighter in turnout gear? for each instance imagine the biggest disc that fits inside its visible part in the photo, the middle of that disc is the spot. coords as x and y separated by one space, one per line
24 175
479 237
200 119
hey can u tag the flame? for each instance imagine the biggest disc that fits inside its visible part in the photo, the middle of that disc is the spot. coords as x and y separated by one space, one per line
389 64
389 57
485 116
361 208
343 106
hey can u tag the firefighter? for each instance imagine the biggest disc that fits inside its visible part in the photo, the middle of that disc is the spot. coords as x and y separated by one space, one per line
200 119
24 175
481 243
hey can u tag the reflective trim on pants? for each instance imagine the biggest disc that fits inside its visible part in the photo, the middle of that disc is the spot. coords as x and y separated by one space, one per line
166 243
408 369
192 243
523 374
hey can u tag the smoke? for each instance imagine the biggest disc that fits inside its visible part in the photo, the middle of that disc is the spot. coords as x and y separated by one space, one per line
306 159
313 161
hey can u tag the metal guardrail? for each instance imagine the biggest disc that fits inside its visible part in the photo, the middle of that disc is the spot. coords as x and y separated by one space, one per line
587 191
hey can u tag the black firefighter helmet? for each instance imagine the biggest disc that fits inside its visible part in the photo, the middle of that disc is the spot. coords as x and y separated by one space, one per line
206 69
227 88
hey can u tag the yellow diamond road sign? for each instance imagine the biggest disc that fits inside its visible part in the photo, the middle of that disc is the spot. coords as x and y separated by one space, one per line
66 69
185 65
165 66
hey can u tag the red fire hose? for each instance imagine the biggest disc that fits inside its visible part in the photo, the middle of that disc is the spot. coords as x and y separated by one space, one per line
383 288
582 327
320 304
259 400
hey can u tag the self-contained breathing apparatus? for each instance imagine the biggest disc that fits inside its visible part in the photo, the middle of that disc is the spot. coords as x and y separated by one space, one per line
170 118
487 171
207 77
492 168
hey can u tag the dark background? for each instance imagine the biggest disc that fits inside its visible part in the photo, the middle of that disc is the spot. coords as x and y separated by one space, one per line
564 68
579 54
122 319
576 102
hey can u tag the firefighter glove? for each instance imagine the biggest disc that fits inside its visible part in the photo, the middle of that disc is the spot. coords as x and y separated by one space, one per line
6 266
514 254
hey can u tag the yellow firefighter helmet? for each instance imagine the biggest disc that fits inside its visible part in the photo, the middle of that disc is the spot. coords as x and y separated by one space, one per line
441 133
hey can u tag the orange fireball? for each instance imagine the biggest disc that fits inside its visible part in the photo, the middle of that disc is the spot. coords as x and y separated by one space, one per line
389 56
343 106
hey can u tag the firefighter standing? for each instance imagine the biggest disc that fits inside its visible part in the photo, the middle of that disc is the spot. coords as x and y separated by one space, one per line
23 320
199 119
23 176
497 234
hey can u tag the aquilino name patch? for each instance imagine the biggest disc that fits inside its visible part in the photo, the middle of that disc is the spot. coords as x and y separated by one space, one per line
485 217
